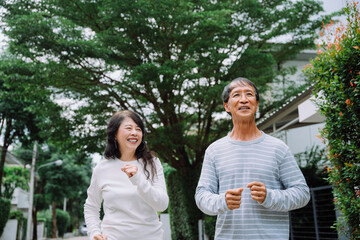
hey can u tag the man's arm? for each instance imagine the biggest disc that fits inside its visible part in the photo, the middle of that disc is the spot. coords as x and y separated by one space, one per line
296 193
207 195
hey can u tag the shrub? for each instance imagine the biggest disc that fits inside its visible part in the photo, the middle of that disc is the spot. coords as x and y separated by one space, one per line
336 74
16 214
4 213
209 225
62 221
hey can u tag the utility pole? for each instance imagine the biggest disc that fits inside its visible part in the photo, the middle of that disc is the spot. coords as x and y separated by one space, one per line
31 197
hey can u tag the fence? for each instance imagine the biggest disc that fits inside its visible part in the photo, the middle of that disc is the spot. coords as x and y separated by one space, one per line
315 221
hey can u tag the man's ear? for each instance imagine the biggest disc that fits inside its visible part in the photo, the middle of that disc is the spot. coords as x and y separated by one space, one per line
227 109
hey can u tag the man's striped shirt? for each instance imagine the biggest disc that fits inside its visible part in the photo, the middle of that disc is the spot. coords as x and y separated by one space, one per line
232 164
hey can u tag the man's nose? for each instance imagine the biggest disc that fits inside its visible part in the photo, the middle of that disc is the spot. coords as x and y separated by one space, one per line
243 98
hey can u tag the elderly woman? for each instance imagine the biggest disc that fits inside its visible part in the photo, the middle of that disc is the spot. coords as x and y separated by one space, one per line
130 181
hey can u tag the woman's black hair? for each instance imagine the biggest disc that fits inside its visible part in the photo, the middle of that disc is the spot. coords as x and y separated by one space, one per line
142 152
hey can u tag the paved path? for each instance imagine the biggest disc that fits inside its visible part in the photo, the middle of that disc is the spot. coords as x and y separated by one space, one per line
77 238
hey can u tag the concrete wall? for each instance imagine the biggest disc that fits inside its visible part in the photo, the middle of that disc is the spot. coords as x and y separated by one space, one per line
10 230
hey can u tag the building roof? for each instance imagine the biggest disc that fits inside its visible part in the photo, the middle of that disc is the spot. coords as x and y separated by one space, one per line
10 159
286 116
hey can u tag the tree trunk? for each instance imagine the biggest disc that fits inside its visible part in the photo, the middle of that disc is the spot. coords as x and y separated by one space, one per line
70 211
34 220
53 219
2 163
7 141
184 214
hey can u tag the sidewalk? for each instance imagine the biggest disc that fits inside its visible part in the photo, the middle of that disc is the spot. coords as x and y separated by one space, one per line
78 238
70 238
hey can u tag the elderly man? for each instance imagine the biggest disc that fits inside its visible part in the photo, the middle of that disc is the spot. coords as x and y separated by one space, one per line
249 179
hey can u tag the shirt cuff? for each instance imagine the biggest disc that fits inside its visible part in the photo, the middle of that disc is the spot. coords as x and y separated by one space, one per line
136 179
223 203
267 202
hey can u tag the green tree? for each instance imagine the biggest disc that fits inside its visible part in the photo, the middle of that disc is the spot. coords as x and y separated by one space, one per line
166 60
14 177
54 183
17 122
25 107
65 181
336 74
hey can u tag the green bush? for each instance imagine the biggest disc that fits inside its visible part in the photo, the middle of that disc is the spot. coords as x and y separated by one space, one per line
210 224
4 213
336 74
16 214
62 221
184 214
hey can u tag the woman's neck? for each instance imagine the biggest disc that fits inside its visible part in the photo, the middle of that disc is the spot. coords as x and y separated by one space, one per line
128 156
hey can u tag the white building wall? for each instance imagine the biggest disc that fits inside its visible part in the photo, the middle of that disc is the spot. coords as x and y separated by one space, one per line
303 138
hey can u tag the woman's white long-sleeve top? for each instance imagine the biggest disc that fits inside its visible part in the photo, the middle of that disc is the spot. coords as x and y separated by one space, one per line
130 204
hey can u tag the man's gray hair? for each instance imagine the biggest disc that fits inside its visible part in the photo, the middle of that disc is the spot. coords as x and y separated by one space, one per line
239 82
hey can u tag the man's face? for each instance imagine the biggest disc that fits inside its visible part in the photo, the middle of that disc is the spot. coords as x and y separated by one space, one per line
242 102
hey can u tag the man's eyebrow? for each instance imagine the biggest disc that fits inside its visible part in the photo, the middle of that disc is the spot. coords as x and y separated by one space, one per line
246 90
131 125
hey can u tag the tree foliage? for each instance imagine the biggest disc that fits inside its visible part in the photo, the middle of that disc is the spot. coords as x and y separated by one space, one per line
4 213
166 60
336 74
17 122
14 177
54 183
27 112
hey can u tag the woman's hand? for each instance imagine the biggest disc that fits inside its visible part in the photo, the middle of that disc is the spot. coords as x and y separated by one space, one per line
129 169
100 237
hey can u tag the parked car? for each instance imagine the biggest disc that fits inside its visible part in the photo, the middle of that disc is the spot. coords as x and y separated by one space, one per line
83 229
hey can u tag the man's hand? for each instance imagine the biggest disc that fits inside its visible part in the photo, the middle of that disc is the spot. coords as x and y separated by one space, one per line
258 191
130 169
100 237
233 198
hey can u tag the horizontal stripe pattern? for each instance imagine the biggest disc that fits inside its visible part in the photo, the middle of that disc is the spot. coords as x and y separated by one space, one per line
232 164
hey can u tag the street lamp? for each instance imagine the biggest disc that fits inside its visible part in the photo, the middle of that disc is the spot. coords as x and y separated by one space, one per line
31 198
57 163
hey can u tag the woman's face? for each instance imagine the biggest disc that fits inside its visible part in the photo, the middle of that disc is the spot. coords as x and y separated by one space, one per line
129 135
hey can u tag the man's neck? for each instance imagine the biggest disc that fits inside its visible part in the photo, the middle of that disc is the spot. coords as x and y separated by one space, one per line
245 131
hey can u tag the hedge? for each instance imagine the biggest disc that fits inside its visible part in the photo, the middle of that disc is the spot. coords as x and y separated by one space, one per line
336 75
62 221
4 213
